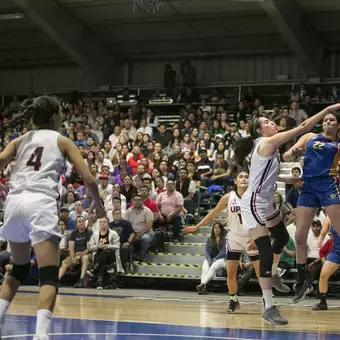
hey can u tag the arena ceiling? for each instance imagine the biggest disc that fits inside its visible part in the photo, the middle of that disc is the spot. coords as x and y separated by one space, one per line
92 33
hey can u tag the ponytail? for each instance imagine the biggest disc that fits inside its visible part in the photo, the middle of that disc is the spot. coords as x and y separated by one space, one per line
26 111
244 146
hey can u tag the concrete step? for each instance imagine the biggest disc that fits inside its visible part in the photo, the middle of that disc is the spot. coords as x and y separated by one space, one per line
184 248
169 269
163 276
193 238
179 258
204 230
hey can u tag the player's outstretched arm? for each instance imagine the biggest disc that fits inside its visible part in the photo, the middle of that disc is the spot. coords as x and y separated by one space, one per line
271 144
73 154
298 147
222 204
10 152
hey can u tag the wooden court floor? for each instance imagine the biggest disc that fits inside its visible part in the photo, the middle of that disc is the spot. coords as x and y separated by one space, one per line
148 314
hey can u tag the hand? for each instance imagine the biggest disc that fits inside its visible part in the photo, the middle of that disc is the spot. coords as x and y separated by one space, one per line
241 264
213 178
126 244
137 237
251 246
100 211
334 107
100 246
210 263
189 230
296 151
309 267
75 260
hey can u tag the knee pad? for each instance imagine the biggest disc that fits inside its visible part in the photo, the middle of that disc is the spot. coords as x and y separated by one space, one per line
20 272
266 256
281 237
49 276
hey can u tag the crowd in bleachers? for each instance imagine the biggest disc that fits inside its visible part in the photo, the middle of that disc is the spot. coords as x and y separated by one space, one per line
150 176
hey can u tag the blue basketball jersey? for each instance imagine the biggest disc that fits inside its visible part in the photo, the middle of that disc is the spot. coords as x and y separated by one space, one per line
321 157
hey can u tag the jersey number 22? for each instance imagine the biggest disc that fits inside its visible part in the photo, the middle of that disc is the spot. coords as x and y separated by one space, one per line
35 159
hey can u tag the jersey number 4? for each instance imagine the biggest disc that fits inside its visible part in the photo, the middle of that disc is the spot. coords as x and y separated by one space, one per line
35 159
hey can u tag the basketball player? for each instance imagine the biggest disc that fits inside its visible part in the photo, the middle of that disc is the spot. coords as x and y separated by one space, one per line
238 238
31 208
320 189
257 208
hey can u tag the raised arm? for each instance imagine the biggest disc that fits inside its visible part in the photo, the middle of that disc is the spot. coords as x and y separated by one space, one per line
271 144
299 146
222 204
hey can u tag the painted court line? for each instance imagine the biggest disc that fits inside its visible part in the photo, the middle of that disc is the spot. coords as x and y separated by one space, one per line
126 297
133 334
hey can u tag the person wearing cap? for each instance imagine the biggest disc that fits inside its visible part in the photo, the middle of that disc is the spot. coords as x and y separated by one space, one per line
204 167
64 215
105 189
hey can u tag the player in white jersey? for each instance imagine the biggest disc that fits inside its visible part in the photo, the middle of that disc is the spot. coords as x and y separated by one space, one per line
238 238
31 209
257 211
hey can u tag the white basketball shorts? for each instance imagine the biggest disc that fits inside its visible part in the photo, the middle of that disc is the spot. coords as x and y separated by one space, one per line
30 217
237 243
256 210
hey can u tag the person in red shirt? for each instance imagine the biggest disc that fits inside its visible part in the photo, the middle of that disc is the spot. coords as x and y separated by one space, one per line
145 193
134 160
330 256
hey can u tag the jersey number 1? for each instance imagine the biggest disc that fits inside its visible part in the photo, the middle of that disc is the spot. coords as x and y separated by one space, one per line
35 159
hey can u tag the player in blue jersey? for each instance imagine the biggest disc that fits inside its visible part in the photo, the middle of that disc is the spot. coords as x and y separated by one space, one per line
320 189
330 265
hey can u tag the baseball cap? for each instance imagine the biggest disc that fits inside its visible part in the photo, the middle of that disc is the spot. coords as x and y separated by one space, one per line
104 176
64 208
233 124
202 150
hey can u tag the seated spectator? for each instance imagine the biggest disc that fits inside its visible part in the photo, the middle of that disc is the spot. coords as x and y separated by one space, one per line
128 189
105 189
287 259
141 172
71 199
115 204
108 150
126 233
65 217
5 254
281 206
170 204
247 271
187 188
106 171
160 187
215 256
134 161
123 172
141 219
100 161
78 246
64 241
293 195
204 167
104 245
162 136
79 211
148 182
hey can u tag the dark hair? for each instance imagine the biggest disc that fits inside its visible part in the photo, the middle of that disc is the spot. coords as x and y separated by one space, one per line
116 198
184 169
137 195
40 110
317 222
244 146
296 168
145 187
212 240
78 217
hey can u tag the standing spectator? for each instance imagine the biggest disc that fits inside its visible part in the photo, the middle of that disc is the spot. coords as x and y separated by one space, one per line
163 136
141 219
145 129
78 246
152 121
97 131
170 204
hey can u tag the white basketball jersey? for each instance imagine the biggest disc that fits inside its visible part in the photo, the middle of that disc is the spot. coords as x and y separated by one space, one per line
263 172
234 215
39 163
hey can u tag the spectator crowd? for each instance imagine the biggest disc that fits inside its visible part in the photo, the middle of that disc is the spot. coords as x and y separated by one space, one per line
150 175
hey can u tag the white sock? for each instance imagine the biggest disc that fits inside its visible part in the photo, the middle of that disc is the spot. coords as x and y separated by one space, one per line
234 297
268 298
274 268
44 317
4 304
